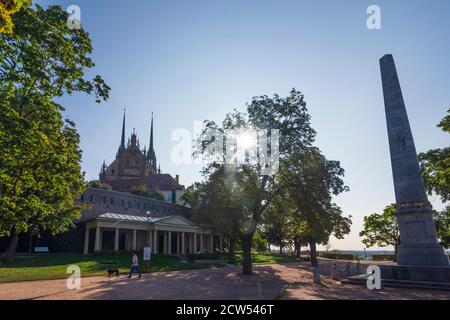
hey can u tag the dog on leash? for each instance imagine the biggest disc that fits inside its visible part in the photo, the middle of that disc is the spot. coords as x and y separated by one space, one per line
112 272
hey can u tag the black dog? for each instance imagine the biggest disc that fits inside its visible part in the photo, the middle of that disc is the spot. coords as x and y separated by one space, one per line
112 271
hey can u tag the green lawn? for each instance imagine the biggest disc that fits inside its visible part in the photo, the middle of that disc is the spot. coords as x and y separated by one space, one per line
54 265
268 258
257 257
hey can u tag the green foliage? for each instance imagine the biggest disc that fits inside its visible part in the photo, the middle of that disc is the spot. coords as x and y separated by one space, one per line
435 169
259 241
435 166
442 220
381 229
310 180
206 256
7 9
99 185
142 190
445 123
40 176
383 257
338 255
242 195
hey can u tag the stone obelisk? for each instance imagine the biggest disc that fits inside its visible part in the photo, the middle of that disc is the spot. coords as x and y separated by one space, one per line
419 245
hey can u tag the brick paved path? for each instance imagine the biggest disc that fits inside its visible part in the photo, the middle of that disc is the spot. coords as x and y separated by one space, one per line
293 280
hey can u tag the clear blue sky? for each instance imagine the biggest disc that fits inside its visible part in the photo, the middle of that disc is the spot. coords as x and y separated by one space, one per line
195 60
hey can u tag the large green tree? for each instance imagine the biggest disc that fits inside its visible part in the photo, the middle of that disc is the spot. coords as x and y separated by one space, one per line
381 229
311 182
214 203
255 190
435 168
276 223
40 176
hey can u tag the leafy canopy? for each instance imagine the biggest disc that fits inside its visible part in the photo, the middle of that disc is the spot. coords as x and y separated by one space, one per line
40 176
381 229
7 9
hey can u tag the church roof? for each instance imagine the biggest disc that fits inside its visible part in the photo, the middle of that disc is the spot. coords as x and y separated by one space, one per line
163 181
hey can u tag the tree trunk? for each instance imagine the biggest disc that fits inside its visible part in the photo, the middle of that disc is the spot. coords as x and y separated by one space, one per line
231 250
247 254
11 253
313 254
281 248
268 247
297 248
30 244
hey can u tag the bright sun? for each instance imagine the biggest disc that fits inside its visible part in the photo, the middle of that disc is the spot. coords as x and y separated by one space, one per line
246 140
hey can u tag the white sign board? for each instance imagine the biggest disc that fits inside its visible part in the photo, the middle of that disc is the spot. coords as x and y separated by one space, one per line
147 253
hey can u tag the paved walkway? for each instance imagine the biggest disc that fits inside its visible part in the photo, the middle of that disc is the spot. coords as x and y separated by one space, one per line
293 280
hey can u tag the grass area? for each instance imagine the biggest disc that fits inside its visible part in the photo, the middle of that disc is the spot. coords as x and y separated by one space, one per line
268 258
257 257
53 265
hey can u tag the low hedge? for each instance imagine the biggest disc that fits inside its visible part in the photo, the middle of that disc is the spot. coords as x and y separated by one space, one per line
338 255
383 257
205 256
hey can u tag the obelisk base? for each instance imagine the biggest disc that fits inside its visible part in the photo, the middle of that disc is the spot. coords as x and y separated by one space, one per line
418 245
414 277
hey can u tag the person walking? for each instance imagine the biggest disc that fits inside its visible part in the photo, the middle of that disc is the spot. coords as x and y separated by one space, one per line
134 265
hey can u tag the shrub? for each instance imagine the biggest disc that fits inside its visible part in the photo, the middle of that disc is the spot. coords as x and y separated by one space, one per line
338 255
99 185
383 257
204 256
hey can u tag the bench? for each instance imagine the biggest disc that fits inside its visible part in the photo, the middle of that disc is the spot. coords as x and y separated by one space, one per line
41 249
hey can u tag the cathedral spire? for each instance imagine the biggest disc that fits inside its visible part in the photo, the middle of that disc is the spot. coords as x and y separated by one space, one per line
151 156
151 136
122 141
102 171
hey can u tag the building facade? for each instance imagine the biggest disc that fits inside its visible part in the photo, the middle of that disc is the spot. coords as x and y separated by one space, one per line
118 219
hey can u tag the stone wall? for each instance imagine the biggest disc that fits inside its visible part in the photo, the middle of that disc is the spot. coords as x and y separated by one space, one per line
102 201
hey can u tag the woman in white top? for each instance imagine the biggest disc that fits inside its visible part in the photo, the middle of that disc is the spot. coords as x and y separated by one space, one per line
134 265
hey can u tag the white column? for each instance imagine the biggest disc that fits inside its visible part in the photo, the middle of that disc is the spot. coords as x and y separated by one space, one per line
201 242
165 242
155 242
116 240
149 238
97 239
211 245
86 241
220 243
134 240
195 243
189 236
182 243
169 243
178 243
